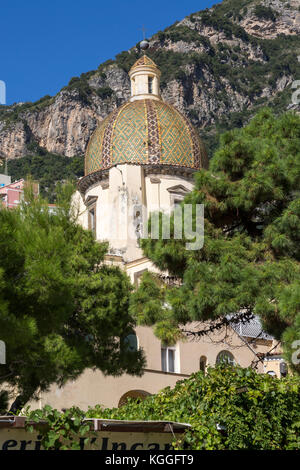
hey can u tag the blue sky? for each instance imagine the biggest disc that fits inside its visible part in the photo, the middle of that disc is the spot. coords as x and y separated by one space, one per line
44 44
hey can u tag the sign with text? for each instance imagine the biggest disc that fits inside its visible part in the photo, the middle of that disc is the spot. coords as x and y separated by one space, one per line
20 439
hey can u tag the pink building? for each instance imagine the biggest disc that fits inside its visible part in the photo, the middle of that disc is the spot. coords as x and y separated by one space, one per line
12 194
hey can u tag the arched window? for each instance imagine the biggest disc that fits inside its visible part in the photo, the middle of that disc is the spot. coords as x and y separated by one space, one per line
131 342
225 357
150 84
283 369
202 364
91 204
272 373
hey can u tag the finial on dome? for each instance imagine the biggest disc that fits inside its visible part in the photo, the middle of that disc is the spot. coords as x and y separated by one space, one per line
144 45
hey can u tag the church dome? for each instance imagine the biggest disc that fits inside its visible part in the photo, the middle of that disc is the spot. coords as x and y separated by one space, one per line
145 130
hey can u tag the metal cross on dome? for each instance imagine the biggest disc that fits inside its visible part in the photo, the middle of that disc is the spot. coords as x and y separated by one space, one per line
144 44
144 32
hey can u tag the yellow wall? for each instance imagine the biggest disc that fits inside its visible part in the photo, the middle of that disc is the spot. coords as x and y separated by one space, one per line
93 388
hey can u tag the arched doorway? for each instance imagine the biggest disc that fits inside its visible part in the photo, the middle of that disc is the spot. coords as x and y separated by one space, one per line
136 394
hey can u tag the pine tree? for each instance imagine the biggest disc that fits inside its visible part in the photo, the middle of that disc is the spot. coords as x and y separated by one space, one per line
250 261
61 309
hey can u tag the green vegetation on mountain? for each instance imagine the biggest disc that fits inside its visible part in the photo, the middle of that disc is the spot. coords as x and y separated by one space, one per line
85 91
267 13
47 168
224 82
11 114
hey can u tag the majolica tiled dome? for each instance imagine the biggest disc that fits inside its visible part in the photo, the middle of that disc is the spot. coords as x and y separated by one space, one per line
145 131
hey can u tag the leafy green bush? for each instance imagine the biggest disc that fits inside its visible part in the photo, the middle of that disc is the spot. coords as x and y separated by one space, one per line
63 430
81 85
221 23
104 92
255 411
126 59
185 34
232 7
266 13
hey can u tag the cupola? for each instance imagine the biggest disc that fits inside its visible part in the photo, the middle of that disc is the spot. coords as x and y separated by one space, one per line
144 76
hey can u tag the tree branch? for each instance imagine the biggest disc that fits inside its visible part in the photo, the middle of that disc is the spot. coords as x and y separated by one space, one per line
243 317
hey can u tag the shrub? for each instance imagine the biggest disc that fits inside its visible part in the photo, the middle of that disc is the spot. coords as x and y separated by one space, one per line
266 13
255 411
104 92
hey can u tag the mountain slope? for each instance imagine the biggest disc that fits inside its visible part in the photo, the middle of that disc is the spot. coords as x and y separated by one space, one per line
218 67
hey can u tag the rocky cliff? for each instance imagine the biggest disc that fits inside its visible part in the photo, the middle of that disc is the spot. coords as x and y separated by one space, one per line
218 67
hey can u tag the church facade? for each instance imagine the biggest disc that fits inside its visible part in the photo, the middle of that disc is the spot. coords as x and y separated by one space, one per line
141 159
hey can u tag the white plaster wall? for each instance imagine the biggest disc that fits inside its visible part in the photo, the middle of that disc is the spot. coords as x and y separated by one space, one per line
158 196
128 188
79 209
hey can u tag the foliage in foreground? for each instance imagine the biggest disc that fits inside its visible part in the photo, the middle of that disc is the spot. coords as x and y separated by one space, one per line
61 310
250 260
255 411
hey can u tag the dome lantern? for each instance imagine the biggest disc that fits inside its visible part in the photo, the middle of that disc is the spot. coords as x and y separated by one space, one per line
144 76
